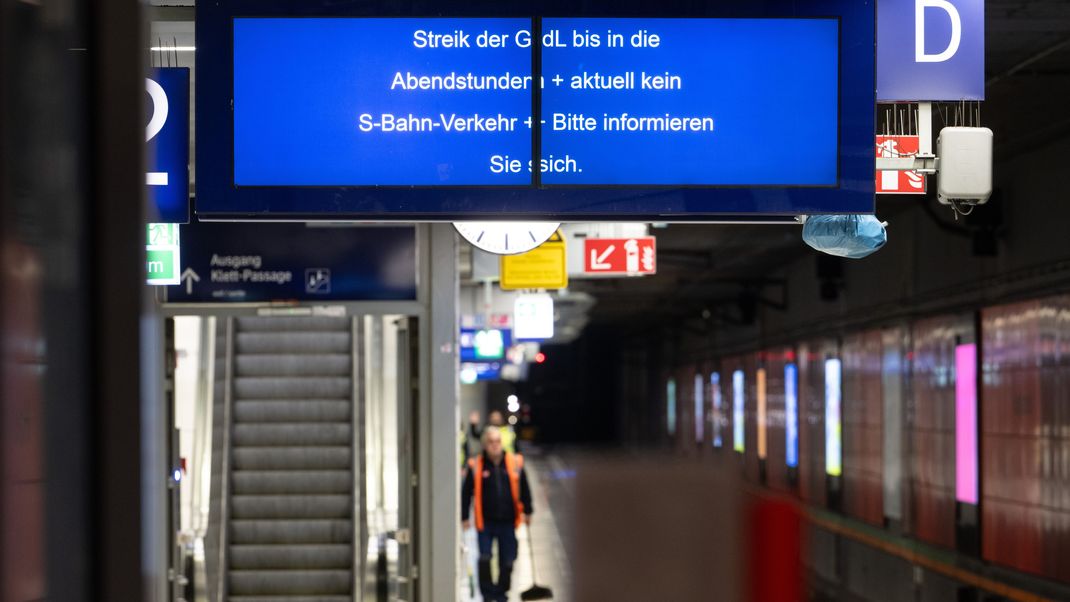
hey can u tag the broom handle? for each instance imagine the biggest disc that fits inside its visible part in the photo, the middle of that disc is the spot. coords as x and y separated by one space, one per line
531 553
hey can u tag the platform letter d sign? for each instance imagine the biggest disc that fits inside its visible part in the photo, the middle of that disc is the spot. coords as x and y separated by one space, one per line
919 31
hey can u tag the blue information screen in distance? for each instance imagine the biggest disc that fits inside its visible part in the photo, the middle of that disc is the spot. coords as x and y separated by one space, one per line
698 102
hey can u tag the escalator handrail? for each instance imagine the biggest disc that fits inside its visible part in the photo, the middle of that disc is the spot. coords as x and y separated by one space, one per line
224 497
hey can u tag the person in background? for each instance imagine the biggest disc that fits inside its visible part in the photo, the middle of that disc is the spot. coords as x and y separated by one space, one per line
497 490
497 422
468 437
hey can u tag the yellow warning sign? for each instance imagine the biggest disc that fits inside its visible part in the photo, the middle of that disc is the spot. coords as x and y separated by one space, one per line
541 267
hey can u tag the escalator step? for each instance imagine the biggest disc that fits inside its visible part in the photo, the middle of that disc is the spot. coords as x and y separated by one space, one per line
289 599
325 531
291 434
291 506
251 343
321 364
292 458
292 410
293 324
261 482
307 556
291 387
291 582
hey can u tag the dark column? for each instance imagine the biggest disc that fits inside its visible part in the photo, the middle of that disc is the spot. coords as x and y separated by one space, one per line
71 300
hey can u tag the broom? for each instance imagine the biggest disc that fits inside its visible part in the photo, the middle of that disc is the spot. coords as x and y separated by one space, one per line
468 566
535 592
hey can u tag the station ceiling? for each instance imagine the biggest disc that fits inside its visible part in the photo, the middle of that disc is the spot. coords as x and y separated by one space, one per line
704 270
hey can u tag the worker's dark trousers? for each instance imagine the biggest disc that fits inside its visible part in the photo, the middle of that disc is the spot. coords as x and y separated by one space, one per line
505 533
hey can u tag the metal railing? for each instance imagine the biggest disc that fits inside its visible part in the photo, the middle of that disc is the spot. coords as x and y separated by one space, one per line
224 476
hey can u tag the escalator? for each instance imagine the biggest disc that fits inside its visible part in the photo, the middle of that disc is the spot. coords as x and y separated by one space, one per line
282 523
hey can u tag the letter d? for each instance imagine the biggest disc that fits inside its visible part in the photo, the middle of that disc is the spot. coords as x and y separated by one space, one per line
919 31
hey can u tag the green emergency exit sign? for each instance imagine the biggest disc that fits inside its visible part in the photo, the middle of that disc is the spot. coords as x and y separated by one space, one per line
162 255
161 265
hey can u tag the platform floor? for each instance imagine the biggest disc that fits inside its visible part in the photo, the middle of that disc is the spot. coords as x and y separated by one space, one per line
551 494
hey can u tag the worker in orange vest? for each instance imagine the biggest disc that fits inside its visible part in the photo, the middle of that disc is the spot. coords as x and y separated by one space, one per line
498 489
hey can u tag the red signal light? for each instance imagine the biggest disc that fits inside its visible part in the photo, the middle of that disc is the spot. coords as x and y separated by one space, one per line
540 357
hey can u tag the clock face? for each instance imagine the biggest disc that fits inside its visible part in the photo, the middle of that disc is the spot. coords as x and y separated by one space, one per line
506 238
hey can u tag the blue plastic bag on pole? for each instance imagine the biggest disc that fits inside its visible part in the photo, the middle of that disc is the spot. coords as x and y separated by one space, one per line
850 236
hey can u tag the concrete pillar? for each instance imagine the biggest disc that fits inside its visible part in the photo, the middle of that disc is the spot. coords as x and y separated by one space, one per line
440 416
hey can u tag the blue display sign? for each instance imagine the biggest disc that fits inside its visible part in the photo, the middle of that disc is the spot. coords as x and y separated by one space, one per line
379 101
319 110
480 371
482 345
691 102
245 263
168 144
930 50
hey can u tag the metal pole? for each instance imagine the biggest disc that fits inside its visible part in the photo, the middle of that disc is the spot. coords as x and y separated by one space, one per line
925 130
439 393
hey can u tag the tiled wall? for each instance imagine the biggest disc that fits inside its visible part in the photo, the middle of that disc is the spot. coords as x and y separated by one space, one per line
750 456
930 431
776 468
862 419
1024 426
1025 439
728 368
22 416
720 418
812 422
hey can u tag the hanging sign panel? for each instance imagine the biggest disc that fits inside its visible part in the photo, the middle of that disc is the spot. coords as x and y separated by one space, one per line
256 263
167 134
163 258
900 181
306 112
533 316
930 50
541 267
620 256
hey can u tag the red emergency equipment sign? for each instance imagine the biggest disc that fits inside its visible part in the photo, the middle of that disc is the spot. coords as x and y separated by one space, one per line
899 182
619 255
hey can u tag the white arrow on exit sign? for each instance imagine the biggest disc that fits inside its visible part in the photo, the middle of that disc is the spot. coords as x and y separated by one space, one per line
598 262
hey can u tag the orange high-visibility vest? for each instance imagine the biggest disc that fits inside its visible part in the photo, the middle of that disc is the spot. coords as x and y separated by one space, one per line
513 464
